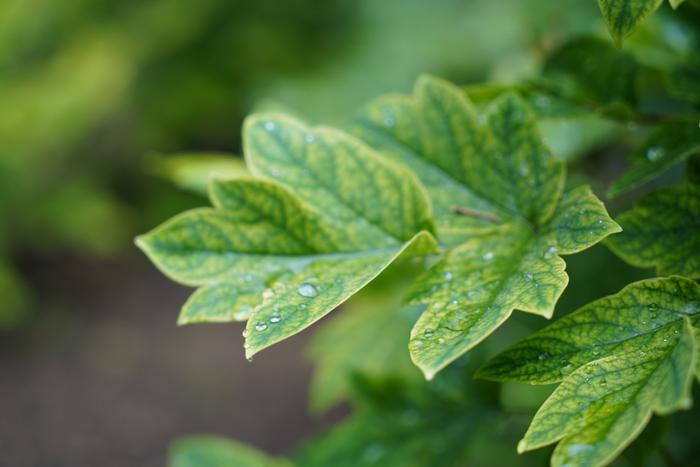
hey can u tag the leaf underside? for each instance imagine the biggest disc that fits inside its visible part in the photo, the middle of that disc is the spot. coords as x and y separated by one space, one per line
619 360
498 205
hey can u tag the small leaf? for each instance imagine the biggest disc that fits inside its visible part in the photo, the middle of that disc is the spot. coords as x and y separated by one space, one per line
214 451
621 358
662 230
194 171
666 147
623 16
496 192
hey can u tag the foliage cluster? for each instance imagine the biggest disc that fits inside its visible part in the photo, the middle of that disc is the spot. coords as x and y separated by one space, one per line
431 218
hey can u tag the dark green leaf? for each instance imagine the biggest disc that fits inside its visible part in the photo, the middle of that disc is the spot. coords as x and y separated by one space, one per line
666 147
662 230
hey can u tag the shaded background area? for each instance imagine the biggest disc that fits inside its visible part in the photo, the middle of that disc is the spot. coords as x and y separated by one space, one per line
93 370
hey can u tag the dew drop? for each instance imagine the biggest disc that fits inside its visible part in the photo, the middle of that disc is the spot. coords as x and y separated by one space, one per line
418 343
542 356
242 314
309 138
529 276
566 369
260 326
448 276
268 293
275 319
454 302
655 153
245 333
270 126
551 251
488 256
307 290
428 333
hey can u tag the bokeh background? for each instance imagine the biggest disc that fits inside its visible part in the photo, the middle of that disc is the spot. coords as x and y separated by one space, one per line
95 95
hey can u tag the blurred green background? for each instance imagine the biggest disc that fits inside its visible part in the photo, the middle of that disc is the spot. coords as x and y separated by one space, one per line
95 95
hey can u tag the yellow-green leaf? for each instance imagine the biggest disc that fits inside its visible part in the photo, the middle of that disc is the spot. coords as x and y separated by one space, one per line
621 359
265 253
497 195
194 171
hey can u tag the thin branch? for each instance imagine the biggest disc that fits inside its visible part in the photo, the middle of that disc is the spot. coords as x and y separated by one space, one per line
475 213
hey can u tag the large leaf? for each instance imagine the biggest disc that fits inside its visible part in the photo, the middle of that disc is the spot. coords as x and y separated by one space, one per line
662 230
666 147
263 251
213 451
497 195
623 16
621 358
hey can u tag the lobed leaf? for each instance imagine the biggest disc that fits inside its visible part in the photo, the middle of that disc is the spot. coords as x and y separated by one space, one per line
666 147
285 260
497 196
662 230
620 359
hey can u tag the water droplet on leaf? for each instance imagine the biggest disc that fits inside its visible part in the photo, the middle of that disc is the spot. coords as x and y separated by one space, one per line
307 290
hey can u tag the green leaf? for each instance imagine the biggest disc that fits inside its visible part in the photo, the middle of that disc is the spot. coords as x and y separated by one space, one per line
592 72
339 176
214 451
623 16
194 171
666 147
367 337
662 230
287 260
621 358
511 222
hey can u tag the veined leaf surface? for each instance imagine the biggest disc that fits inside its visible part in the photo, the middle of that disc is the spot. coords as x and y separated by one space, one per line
286 262
497 195
663 230
621 358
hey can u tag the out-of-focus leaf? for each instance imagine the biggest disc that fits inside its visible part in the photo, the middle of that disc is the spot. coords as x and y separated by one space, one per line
623 16
667 146
592 71
15 297
367 337
662 230
497 194
214 451
621 358
194 171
